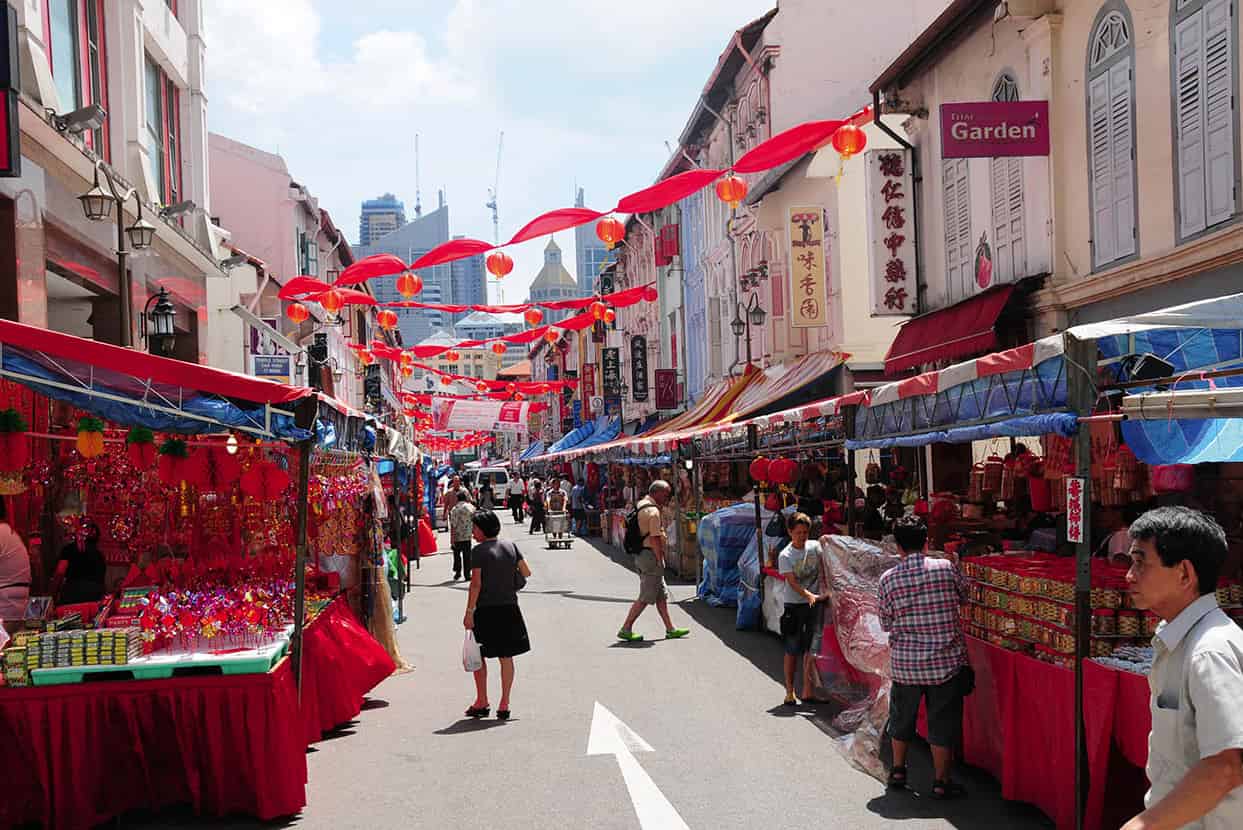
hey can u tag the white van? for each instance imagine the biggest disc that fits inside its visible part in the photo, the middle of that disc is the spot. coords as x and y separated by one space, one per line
498 476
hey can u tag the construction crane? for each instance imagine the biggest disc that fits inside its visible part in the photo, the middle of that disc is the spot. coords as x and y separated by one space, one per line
418 203
492 191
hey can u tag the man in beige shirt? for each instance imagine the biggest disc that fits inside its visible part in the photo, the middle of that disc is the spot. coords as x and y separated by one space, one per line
1195 749
651 565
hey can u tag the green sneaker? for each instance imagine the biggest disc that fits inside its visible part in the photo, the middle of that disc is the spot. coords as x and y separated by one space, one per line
676 633
629 636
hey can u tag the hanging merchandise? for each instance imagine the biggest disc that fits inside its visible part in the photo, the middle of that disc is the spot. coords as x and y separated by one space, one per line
872 473
140 447
218 471
759 470
14 443
90 441
264 481
174 462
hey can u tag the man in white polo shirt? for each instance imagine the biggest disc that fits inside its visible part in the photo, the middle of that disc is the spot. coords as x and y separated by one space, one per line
1195 750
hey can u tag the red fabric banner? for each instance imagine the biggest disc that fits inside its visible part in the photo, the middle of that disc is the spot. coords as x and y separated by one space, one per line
301 286
666 192
553 221
376 265
787 146
450 251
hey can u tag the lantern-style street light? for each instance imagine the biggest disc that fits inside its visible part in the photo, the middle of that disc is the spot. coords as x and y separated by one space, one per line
159 324
745 318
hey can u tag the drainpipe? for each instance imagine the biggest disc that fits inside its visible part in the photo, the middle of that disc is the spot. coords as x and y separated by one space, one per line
917 179
729 231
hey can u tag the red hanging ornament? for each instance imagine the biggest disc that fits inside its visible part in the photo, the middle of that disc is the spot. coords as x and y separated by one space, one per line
332 301
214 469
264 481
140 448
533 316
409 284
452 356
499 264
14 444
174 462
759 469
611 231
297 312
387 319
499 348
849 140
407 371
731 190
782 471
597 310
551 335
650 294
610 315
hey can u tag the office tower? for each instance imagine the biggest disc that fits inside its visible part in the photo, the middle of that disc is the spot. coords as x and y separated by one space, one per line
591 253
380 217
409 242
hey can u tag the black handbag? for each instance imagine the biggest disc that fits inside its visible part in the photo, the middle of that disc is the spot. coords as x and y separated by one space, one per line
520 581
966 680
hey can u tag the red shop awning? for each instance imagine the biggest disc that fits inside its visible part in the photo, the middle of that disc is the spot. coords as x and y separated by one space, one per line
958 331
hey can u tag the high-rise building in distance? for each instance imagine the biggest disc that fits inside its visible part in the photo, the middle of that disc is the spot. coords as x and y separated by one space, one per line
469 285
591 253
380 217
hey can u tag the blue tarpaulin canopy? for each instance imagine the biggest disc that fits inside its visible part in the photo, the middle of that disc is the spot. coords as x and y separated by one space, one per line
536 448
608 432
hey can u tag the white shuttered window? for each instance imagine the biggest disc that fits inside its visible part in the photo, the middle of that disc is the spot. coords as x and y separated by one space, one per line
956 187
1205 122
1006 190
1111 140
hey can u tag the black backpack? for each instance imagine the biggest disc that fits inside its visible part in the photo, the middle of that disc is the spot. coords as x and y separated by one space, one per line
633 541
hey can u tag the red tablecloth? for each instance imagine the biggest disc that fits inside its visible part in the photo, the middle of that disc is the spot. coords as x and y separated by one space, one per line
74 756
342 662
1020 726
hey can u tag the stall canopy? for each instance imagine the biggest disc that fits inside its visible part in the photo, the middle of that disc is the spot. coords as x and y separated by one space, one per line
573 438
133 388
808 378
530 452
610 430
966 328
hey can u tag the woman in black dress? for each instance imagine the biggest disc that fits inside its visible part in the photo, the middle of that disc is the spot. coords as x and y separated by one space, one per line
498 572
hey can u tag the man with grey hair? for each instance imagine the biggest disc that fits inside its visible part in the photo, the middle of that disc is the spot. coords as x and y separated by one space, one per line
650 563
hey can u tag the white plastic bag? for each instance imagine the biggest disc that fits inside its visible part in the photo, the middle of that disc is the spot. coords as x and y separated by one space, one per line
472 660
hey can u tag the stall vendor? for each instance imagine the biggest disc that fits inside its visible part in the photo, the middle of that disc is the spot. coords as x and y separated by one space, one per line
84 574
14 571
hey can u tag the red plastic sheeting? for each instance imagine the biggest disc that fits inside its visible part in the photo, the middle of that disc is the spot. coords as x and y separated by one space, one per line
450 251
618 299
553 221
376 265
143 366
960 330
787 146
666 192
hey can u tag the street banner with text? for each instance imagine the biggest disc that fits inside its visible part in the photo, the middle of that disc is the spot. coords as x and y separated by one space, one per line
808 272
891 229
450 414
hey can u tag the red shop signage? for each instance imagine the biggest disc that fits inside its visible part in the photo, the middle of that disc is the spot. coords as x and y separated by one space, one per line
990 129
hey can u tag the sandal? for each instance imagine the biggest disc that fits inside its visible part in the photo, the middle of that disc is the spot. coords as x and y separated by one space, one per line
789 701
502 714
947 790
478 711
897 778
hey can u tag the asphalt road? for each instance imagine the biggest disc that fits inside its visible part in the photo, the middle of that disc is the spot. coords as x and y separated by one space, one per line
725 753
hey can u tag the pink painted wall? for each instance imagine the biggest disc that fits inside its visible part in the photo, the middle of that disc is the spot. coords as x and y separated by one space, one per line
250 194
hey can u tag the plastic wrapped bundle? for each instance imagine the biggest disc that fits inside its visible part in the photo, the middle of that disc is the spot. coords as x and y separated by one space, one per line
855 568
723 536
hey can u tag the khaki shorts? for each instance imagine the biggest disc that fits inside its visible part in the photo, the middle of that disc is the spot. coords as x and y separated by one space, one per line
651 578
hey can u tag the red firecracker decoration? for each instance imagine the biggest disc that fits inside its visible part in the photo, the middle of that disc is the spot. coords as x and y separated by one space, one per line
264 481
215 469
140 448
14 445
174 462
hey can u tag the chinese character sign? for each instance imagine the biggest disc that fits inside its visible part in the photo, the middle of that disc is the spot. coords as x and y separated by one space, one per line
809 293
589 379
638 368
611 370
1076 500
666 388
891 229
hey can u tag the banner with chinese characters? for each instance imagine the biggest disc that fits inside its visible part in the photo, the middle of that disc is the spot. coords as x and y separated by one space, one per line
666 388
638 368
610 373
588 386
809 292
450 414
891 229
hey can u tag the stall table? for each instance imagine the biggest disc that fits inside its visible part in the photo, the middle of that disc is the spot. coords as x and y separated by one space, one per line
79 755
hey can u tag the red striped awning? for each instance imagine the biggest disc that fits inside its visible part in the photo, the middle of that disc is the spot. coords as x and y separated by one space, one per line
960 330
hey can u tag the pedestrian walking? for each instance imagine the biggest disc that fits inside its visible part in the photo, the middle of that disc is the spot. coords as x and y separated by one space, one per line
801 565
1195 749
535 501
461 532
487 496
556 498
578 508
498 572
919 600
450 496
517 494
650 563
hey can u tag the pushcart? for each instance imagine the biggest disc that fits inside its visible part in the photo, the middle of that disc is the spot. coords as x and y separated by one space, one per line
557 530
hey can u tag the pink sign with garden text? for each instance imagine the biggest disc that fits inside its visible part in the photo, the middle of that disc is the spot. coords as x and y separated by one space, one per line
991 129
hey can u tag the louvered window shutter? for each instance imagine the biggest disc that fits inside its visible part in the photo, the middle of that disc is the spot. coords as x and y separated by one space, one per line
1122 152
1101 150
1189 76
958 247
1219 119
1009 245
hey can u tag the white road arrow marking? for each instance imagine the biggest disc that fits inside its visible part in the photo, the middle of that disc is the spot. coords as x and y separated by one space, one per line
609 736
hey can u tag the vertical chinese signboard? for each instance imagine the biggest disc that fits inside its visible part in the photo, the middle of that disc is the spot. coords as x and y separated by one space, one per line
666 388
808 268
891 229
610 372
638 368
588 380
1076 496
10 82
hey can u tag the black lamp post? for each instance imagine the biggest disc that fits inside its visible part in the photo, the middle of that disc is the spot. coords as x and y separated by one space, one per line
159 329
745 318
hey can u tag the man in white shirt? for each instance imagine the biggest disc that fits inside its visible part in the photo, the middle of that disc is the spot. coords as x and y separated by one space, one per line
1195 750
517 493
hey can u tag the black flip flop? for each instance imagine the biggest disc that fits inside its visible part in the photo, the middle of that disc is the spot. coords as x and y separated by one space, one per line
897 778
480 712
947 790
502 714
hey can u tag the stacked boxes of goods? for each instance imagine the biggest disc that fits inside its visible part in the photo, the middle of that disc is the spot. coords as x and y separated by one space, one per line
104 647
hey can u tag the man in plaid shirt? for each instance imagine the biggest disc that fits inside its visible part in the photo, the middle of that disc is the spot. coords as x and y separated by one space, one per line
919 601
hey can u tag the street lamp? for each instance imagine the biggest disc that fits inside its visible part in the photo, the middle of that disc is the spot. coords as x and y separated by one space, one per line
159 330
141 233
745 318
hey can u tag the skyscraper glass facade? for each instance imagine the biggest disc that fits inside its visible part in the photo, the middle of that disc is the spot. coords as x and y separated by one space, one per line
380 217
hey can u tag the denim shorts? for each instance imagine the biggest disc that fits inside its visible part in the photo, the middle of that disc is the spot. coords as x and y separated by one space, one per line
798 628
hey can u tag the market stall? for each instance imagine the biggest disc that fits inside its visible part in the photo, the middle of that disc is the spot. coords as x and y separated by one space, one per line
178 650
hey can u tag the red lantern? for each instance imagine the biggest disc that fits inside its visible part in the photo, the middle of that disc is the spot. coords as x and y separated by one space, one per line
445 380
731 190
511 388
609 315
297 312
551 335
453 356
366 358
533 316
387 319
518 396
498 348
499 264
409 284
849 140
650 294
407 371
611 231
597 310
406 358
264 481
481 386
759 469
781 471
332 301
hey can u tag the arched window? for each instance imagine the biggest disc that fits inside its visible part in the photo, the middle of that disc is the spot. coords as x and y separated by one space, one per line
1006 195
1206 124
1111 136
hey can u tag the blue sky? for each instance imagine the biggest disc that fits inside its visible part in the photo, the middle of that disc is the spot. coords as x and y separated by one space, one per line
586 92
